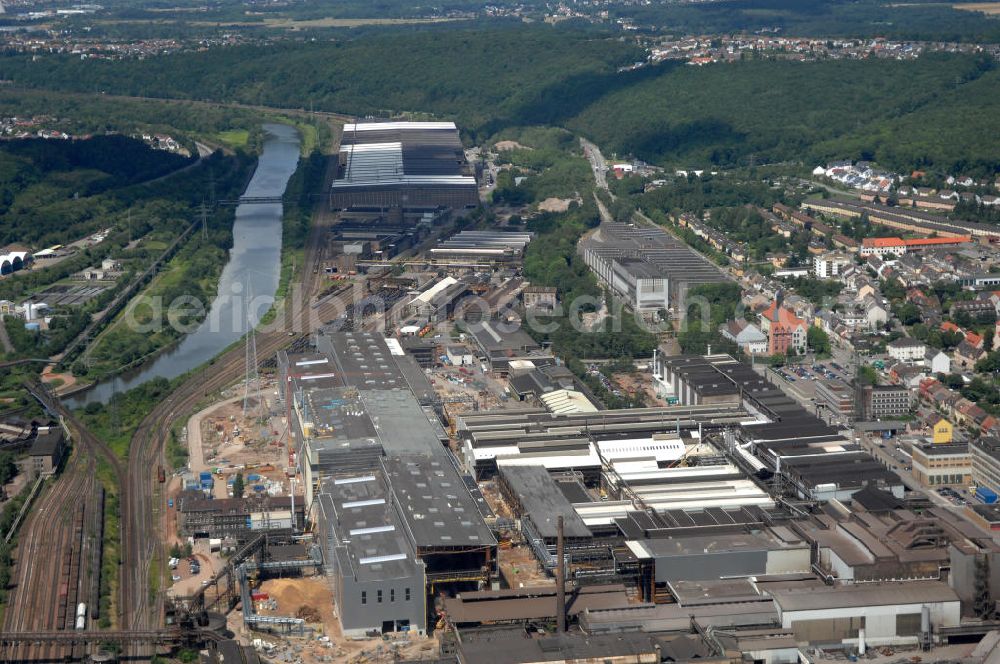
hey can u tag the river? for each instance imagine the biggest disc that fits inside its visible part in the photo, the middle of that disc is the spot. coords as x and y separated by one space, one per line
253 269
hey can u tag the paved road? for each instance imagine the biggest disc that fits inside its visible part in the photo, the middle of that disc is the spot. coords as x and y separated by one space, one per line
597 163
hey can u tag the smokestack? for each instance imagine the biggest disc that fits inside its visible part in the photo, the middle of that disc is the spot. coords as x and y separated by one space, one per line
560 579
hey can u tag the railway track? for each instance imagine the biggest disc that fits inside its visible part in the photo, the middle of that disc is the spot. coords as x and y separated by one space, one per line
142 502
54 567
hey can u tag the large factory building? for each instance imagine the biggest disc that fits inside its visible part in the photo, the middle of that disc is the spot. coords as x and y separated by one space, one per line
402 167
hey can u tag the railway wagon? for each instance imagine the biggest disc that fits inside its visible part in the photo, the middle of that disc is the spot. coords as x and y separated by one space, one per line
81 615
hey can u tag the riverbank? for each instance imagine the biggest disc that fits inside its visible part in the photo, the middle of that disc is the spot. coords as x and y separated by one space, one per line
252 268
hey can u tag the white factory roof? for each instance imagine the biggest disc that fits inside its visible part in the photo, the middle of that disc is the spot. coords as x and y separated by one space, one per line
567 401
658 448
428 295
391 126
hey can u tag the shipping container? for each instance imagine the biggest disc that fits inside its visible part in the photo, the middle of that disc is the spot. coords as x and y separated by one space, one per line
988 496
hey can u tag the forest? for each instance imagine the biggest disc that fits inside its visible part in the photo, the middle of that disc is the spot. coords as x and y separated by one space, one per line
45 184
902 114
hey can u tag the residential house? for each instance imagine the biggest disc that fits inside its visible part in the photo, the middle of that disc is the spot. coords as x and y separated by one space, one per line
966 355
785 331
937 361
746 335
876 313
975 309
906 349
907 375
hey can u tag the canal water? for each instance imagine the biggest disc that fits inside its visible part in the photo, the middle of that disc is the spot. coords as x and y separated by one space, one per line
248 282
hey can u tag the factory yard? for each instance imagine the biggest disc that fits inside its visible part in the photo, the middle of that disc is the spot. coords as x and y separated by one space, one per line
225 442
311 598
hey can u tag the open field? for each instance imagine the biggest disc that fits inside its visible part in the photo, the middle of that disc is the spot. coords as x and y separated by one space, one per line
991 8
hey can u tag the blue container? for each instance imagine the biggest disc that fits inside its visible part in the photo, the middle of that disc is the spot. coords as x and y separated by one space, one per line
259 488
988 496
205 475
253 478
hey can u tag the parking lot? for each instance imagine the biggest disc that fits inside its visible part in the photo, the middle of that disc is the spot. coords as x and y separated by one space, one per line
827 369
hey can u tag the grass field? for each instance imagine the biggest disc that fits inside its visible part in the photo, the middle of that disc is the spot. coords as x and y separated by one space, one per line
235 138
991 8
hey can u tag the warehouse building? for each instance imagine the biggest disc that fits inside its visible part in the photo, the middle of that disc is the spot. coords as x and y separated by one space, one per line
402 167
377 579
198 516
396 519
485 247
721 555
576 441
438 301
648 268
507 346
882 614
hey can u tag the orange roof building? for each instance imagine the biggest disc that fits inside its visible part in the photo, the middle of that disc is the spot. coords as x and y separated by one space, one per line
785 331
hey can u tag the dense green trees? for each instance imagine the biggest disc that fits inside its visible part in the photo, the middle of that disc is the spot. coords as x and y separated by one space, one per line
778 111
900 113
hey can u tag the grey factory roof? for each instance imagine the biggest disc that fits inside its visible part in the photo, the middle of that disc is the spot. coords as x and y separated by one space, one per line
603 424
401 424
496 337
337 414
402 153
560 648
530 603
365 361
310 370
672 258
47 442
638 525
862 595
848 469
714 591
435 502
543 502
675 618
368 533
764 540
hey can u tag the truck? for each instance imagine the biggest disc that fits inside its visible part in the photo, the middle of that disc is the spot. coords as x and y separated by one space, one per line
988 496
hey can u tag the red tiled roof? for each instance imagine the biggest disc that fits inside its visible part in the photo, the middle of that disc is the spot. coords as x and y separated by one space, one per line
883 242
